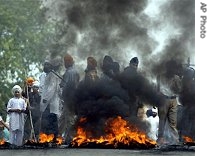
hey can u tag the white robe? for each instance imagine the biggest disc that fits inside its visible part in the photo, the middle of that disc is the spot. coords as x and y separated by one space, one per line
16 120
51 93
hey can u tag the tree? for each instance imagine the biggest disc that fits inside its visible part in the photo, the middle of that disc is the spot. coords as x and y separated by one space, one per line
25 36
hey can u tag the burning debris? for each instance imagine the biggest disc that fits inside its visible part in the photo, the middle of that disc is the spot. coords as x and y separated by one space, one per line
117 131
45 141
188 141
135 141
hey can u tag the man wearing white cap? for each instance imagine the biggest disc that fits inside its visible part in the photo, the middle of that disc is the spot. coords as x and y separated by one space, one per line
16 108
34 103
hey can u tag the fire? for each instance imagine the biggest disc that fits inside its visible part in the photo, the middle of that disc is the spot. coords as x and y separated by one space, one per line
117 131
59 140
188 139
2 142
44 138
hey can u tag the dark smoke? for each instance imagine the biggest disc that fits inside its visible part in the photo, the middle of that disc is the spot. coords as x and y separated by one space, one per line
179 47
100 101
106 26
109 98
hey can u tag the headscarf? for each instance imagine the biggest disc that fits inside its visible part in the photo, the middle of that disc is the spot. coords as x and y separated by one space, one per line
29 81
107 63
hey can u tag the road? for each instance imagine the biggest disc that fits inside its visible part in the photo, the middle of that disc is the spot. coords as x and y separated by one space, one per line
93 152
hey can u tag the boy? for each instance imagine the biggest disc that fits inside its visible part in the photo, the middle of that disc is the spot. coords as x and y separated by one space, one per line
16 108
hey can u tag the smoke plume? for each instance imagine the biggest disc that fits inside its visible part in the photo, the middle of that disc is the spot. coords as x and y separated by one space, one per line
121 29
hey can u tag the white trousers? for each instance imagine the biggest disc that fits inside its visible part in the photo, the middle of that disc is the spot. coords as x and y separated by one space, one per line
16 137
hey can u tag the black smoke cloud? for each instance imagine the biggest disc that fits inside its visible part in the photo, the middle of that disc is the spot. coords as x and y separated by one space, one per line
98 102
93 28
109 98
116 27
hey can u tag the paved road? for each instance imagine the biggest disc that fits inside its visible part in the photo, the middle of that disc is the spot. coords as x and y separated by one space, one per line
93 152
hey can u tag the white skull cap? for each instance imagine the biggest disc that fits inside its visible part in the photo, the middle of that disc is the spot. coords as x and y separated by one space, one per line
36 84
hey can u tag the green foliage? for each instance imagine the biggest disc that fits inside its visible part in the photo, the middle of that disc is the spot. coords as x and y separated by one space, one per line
25 36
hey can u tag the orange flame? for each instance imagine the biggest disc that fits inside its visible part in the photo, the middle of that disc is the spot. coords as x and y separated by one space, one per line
2 142
59 140
44 138
117 131
188 139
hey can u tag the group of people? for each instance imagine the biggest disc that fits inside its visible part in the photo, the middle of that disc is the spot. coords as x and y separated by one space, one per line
49 105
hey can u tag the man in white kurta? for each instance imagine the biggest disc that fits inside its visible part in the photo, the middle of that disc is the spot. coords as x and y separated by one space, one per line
15 108
50 100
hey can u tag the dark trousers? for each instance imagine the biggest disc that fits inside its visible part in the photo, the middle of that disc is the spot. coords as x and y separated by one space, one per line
49 123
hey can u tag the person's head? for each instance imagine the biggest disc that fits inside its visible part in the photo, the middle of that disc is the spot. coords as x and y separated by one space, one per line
29 81
68 60
35 86
91 63
134 62
107 63
16 90
47 66
107 60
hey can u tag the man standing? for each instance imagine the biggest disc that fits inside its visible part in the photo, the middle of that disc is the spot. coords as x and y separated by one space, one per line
34 99
169 87
50 100
128 81
68 85
91 75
